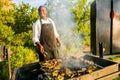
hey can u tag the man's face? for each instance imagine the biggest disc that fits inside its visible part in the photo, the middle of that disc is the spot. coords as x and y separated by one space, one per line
43 12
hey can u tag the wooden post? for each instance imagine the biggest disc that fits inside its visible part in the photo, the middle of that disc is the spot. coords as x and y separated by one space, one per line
9 65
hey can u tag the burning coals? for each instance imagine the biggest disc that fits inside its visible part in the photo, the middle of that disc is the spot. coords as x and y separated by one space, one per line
58 69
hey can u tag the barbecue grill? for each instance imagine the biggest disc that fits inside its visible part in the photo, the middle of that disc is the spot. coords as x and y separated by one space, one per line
105 70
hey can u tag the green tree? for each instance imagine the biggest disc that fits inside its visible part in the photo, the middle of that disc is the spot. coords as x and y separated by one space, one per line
6 34
24 17
7 17
21 56
6 21
22 45
82 19
16 33
23 39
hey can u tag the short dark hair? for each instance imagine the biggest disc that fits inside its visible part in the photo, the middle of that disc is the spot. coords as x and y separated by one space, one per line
40 9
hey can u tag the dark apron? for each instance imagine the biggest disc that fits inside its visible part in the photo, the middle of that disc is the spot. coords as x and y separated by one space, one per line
48 40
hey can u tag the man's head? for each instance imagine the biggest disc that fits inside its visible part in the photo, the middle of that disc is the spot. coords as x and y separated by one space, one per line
42 12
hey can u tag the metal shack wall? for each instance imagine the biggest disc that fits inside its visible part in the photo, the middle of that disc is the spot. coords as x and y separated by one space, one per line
101 26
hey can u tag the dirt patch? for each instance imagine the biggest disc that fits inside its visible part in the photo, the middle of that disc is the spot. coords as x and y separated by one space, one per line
86 48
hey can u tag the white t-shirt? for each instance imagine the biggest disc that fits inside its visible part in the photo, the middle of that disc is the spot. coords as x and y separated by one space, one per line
36 28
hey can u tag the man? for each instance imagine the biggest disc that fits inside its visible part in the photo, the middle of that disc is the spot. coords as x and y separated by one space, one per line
45 36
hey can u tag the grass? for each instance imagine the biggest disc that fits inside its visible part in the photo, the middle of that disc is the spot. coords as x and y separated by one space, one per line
115 58
118 78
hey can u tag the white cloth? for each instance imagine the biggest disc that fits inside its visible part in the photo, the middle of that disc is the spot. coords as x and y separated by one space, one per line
36 28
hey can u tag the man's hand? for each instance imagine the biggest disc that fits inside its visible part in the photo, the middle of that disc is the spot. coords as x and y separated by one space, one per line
41 48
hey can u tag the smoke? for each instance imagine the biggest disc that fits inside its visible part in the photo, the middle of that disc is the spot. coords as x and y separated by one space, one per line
73 62
65 24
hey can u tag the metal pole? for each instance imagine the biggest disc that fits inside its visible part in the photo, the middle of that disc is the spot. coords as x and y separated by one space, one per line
111 27
100 50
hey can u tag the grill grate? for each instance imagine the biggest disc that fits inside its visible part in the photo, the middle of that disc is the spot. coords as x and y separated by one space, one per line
71 71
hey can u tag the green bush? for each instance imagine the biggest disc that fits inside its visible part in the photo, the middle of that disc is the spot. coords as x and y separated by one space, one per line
4 70
6 34
22 56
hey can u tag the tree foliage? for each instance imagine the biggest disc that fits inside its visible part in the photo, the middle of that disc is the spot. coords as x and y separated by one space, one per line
21 56
7 17
4 71
82 19
22 45
16 33
6 34
24 17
